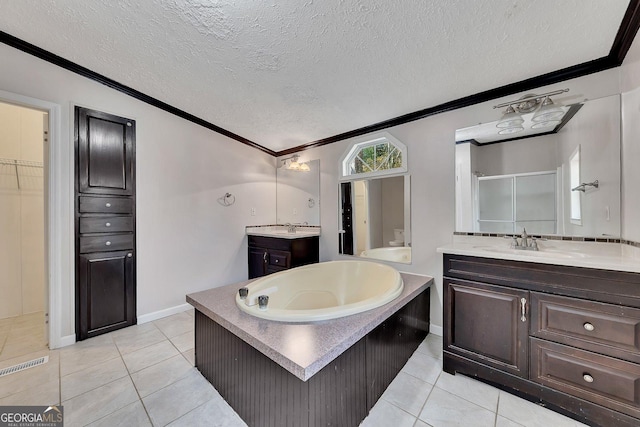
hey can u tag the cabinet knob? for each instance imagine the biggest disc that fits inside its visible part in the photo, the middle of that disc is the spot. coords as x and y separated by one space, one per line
588 378
588 326
129 255
108 243
108 205
276 261
108 224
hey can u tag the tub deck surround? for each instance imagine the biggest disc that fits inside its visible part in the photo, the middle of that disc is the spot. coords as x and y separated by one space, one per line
281 232
603 256
303 349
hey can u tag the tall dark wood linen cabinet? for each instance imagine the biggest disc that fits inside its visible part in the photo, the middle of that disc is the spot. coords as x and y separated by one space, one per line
105 219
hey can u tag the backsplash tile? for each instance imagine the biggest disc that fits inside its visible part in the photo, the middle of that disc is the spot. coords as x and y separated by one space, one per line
553 237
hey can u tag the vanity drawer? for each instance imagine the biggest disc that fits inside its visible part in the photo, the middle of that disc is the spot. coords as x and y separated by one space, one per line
110 242
600 379
606 328
121 205
280 258
106 224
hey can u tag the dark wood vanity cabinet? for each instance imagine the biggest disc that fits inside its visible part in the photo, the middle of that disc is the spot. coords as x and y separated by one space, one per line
486 325
104 222
565 337
271 254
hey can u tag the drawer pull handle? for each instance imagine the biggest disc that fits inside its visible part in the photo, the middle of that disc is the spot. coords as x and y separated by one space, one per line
588 378
108 205
108 224
108 243
523 309
264 257
589 327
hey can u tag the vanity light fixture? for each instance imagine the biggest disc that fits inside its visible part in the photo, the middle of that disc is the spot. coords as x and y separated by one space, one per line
547 114
291 163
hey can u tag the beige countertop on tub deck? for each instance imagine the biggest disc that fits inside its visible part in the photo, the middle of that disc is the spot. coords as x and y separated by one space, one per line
301 348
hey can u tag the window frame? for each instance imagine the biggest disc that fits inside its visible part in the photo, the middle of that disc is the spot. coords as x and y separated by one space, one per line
372 140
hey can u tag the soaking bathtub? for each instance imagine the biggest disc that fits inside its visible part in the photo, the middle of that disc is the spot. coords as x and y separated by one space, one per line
323 291
390 253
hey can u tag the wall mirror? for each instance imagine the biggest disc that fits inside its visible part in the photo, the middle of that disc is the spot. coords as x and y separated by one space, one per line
375 218
298 192
562 182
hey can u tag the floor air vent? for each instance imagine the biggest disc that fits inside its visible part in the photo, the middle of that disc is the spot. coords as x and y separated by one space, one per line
25 365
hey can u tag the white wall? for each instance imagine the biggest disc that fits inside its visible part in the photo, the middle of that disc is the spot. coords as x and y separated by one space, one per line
392 207
186 241
430 144
630 83
21 212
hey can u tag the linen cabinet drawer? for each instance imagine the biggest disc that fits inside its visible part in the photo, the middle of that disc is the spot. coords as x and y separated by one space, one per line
280 258
106 224
609 382
605 328
119 205
110 242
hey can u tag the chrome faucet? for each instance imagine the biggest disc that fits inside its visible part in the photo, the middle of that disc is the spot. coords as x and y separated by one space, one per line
291 228
526 243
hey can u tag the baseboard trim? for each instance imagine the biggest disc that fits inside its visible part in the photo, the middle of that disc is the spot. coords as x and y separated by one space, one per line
150 317
65 341
435 330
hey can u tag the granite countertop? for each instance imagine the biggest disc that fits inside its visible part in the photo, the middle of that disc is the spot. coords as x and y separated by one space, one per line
280 231
301 348
603 256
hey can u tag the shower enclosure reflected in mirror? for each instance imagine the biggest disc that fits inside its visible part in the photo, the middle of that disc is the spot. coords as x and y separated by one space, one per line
504 186
298 194
375 218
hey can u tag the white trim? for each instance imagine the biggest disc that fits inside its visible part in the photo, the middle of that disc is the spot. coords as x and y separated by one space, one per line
435 330
58 209
150 317
67 340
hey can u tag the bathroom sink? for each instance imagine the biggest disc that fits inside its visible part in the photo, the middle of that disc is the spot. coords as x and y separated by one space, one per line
542 253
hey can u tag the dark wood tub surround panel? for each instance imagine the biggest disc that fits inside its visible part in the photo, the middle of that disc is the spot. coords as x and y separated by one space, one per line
340 394
575 348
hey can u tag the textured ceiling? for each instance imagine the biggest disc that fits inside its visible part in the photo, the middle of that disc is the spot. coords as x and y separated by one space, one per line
288 72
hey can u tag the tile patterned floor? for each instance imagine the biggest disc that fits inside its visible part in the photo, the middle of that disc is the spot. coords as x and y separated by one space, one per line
21 335
144 375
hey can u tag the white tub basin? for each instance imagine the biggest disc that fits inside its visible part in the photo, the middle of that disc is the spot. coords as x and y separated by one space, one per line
323 291
391 253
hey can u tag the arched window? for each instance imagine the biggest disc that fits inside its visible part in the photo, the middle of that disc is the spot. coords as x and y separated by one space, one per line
377 155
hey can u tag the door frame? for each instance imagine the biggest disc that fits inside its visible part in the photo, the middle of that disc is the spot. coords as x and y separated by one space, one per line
58 215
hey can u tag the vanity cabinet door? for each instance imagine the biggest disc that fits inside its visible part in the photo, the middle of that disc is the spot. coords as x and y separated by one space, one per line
488 324
257 262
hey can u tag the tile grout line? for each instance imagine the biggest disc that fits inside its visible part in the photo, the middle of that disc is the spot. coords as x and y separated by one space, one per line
495 423
132 382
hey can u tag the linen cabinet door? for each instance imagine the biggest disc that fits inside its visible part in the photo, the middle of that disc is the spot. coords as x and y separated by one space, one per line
106 292
105 153
488 324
